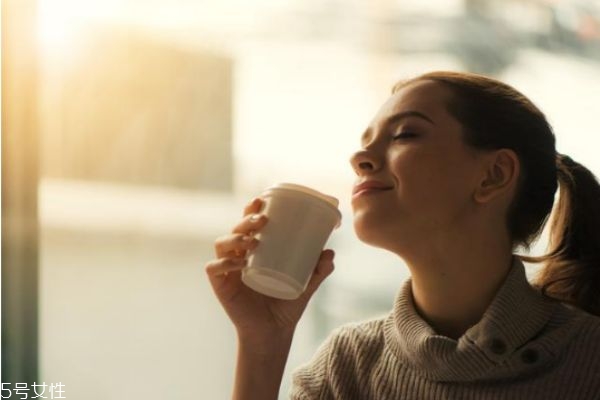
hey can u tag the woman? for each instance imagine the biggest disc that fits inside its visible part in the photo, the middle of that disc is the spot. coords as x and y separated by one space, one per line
454 173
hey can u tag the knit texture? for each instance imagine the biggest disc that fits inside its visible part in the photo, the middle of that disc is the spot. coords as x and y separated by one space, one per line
525 347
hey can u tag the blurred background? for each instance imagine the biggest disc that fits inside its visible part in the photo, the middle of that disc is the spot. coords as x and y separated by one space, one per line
141 128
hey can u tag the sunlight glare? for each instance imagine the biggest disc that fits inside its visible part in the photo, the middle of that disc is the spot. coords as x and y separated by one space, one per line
55 28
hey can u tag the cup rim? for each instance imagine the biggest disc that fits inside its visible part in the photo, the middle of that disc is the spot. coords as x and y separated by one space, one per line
307 190
327 201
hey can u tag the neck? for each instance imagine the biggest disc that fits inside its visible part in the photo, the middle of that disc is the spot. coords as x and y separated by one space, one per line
454 283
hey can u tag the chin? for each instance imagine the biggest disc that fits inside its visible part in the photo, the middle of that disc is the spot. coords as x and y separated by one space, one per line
369 231
379 232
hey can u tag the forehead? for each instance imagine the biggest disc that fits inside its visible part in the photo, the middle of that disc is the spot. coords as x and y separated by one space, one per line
427 97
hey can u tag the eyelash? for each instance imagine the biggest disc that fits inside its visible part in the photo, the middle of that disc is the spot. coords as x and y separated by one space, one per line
404 135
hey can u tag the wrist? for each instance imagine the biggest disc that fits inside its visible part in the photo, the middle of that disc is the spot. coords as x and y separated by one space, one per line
267 344
261 362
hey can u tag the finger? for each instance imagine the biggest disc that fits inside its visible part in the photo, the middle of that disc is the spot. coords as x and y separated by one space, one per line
216 269
251 223
323 269
235 245
254 206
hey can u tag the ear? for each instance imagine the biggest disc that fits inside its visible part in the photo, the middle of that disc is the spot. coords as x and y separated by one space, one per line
501 172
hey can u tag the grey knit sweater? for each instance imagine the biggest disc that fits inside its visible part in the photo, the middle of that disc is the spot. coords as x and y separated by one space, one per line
524 347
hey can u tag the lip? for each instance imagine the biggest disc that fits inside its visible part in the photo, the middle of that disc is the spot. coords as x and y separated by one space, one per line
369 186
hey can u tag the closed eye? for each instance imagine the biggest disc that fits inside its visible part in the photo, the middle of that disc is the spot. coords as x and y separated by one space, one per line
405 135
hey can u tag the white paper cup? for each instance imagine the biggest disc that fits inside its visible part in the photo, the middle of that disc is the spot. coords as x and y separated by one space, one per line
300 222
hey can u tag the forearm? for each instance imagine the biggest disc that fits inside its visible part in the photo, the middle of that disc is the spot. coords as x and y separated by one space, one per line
260 366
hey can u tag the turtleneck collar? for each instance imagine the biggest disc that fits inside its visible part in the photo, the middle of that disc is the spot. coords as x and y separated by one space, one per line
502 344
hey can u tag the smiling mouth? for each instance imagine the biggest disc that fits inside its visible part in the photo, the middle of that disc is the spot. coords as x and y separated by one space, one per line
369 191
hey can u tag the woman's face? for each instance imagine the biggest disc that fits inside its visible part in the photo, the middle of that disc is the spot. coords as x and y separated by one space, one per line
417 173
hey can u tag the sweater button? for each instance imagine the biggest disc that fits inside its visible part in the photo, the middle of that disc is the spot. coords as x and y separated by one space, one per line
497 346
529 356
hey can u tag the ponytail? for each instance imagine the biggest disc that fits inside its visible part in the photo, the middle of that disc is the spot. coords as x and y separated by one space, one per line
571 272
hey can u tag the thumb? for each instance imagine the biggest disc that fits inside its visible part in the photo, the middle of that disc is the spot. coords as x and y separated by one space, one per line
323 269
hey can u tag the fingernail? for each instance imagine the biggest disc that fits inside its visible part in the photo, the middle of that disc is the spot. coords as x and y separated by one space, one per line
247 238
255 217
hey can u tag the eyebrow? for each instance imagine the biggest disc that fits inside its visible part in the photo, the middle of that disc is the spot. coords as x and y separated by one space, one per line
396 118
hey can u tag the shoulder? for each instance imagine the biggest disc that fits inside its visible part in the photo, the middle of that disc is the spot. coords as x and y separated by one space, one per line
352 341
573 336
580 359
586 329
357 345
349 349
359 333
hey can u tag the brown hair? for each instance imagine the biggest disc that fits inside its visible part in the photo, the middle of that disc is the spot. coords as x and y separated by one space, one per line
494 115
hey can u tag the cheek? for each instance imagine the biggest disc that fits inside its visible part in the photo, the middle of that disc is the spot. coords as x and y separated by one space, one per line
418 175
428 179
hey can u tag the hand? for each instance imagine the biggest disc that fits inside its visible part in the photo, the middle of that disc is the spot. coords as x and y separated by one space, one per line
256 316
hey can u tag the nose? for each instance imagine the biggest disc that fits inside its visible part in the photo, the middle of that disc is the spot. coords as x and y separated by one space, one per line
364 162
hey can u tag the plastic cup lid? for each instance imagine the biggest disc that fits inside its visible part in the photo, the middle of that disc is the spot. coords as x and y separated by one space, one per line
304 189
